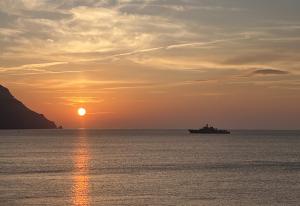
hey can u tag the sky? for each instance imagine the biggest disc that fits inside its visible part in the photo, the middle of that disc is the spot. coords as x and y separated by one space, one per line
155 63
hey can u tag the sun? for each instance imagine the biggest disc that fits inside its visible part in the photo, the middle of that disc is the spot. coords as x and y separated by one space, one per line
81 111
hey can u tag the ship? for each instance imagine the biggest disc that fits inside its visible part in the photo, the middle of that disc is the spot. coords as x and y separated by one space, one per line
209 130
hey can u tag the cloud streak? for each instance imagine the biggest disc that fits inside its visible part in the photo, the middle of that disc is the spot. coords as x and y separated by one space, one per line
31 67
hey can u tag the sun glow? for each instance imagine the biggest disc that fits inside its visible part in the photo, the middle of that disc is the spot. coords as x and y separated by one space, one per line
81 111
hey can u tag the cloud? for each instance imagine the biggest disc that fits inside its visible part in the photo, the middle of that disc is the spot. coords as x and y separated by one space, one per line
82 29
198 45
71 100
269 72
91 37
32 66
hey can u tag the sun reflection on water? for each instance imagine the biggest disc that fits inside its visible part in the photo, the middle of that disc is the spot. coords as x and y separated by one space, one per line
80 190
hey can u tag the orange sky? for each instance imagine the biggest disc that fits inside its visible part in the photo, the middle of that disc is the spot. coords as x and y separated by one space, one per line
154 64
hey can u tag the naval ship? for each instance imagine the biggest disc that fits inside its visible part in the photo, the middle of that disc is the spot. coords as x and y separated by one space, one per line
209 130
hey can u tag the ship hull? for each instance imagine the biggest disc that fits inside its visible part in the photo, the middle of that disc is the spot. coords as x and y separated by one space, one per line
194 131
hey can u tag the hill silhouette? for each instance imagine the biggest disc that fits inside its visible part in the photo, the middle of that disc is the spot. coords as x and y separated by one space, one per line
15 115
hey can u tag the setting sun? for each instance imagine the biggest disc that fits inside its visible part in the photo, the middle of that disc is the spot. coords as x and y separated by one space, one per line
81 111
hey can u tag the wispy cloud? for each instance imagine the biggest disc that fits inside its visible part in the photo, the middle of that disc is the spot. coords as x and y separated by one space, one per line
83 100
31 67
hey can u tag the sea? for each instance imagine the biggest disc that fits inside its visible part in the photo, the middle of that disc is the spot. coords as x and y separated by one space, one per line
148 167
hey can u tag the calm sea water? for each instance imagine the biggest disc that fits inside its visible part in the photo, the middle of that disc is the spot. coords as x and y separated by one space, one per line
139 167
